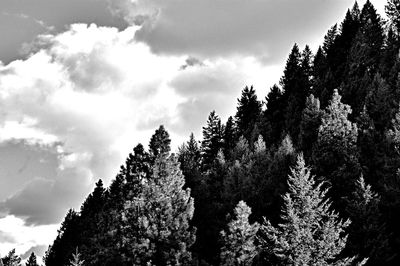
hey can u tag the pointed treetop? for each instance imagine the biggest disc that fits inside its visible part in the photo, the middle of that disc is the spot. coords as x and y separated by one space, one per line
31 260
160 142
311 234
355 11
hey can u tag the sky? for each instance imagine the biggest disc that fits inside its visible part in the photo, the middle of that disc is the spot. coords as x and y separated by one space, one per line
83 81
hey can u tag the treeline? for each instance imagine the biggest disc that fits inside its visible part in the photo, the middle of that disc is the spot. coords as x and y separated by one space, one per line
327 138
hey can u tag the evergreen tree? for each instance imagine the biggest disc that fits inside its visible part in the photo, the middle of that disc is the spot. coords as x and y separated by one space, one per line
310 122
230 137
273 116
31 260
248 112
329 39
379 103
320 68
12 259
90 218
239 241
310 233
335 153
156 222
296 86
76 260
160 142
364 58
189 159
392 9
368 236
212 140
69 236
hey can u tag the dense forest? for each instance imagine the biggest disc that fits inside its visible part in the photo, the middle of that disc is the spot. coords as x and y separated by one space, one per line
308 176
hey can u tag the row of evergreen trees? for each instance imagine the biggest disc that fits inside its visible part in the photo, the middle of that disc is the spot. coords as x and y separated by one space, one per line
12 259
336 111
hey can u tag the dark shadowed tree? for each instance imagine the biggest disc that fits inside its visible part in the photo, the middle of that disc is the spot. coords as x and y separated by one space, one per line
368 236
32 260
248 112
212 140
160 142
310 122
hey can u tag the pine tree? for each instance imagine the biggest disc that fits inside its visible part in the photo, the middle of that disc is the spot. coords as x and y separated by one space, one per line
392 9
76 260
368 236
69 236
230 137
273 116
156 222
90 219
296 87
329 39
31 260
12 259
379 103
248 112
212 140
239 241
364 58
310 122
335 153
310 233
160 142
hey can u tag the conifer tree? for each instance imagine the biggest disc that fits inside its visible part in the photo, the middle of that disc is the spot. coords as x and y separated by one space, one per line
189 158
310 122
296 87
368 236
160 142
392 10
239 246
230 137
379 103
156 222
273 116
76 259
335 153
212 140
31 260
69 236
90 218
329 39
12 259
310 232
248 112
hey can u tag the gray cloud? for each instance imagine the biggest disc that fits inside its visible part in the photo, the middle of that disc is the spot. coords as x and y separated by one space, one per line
7 238
22 20
35 187
38 250
20 162
207 28
191 61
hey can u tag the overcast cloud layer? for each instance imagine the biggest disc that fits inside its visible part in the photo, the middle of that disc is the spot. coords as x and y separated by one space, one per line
83 95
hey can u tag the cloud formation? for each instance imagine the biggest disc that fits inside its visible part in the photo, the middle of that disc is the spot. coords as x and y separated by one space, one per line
73 110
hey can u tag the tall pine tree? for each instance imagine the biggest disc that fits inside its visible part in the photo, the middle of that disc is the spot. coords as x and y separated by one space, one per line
310 232
239 248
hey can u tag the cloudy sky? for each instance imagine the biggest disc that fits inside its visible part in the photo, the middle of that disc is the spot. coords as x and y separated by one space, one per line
83 81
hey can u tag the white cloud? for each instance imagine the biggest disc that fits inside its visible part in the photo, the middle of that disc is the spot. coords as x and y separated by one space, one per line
88 96
24 237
